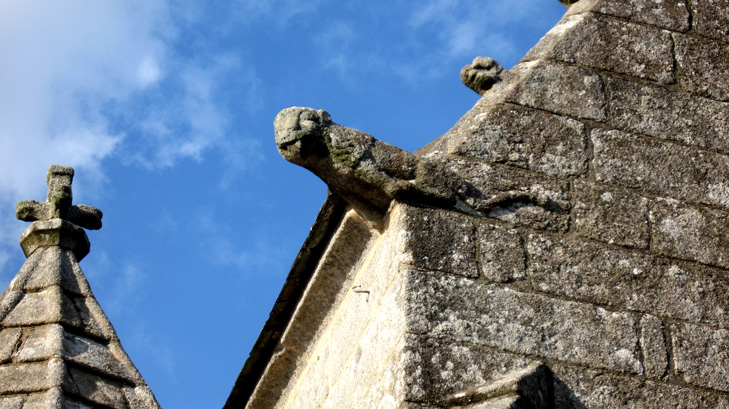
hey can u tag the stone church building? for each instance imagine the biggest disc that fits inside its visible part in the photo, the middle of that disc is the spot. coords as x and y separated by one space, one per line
564 246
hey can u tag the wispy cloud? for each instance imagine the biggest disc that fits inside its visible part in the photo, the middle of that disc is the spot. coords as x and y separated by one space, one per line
253 254
87 80
335 44
427 39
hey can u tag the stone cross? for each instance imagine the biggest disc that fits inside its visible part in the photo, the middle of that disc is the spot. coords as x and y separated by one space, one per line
58 202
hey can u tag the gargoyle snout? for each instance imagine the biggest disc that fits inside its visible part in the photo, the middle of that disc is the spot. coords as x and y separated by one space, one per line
297 127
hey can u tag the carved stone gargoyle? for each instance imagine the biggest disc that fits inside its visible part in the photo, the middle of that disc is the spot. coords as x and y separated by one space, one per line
370 174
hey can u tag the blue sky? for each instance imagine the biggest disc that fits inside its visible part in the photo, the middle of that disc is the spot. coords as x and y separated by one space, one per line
165 110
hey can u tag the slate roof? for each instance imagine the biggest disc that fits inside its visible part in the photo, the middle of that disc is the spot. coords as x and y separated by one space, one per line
57 347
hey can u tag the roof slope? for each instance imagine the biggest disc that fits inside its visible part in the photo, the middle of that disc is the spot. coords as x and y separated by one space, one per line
57 347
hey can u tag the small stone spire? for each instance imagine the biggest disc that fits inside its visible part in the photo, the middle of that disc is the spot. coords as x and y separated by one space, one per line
57 347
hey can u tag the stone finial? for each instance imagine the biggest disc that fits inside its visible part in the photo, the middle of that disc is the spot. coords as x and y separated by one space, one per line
58 202
482 74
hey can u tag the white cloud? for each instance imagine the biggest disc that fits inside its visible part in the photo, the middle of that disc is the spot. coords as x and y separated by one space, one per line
86 80
62 62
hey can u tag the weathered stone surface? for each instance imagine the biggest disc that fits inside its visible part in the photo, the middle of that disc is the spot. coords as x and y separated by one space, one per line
443 241
320 368
711 18
100 357
615 216
704 66
9 338
557 88
624 279
462 310
11 403
24 378
529 387
8 300
669 14
579 388
653 345
690 232
526 138
604 43
436 369
50 266
701 355
140 397
662 168
41 343
501 255
494 179
43 307
97 389
670 115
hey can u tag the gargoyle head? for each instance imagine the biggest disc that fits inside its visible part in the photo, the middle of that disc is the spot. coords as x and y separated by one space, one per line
300 133
482 74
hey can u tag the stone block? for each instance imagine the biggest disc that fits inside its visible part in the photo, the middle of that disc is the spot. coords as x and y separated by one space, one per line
497 179
380 384
98 390
701 355
441 240
43 307
436 369
579 388
665 114
91 354
9 340
526 138
463 310
627 280
669 14
711 18
605 43
50 266
11 402
690 232
25 378
704 66
611 215
558 88
661 168
501 255
653 345
140 397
